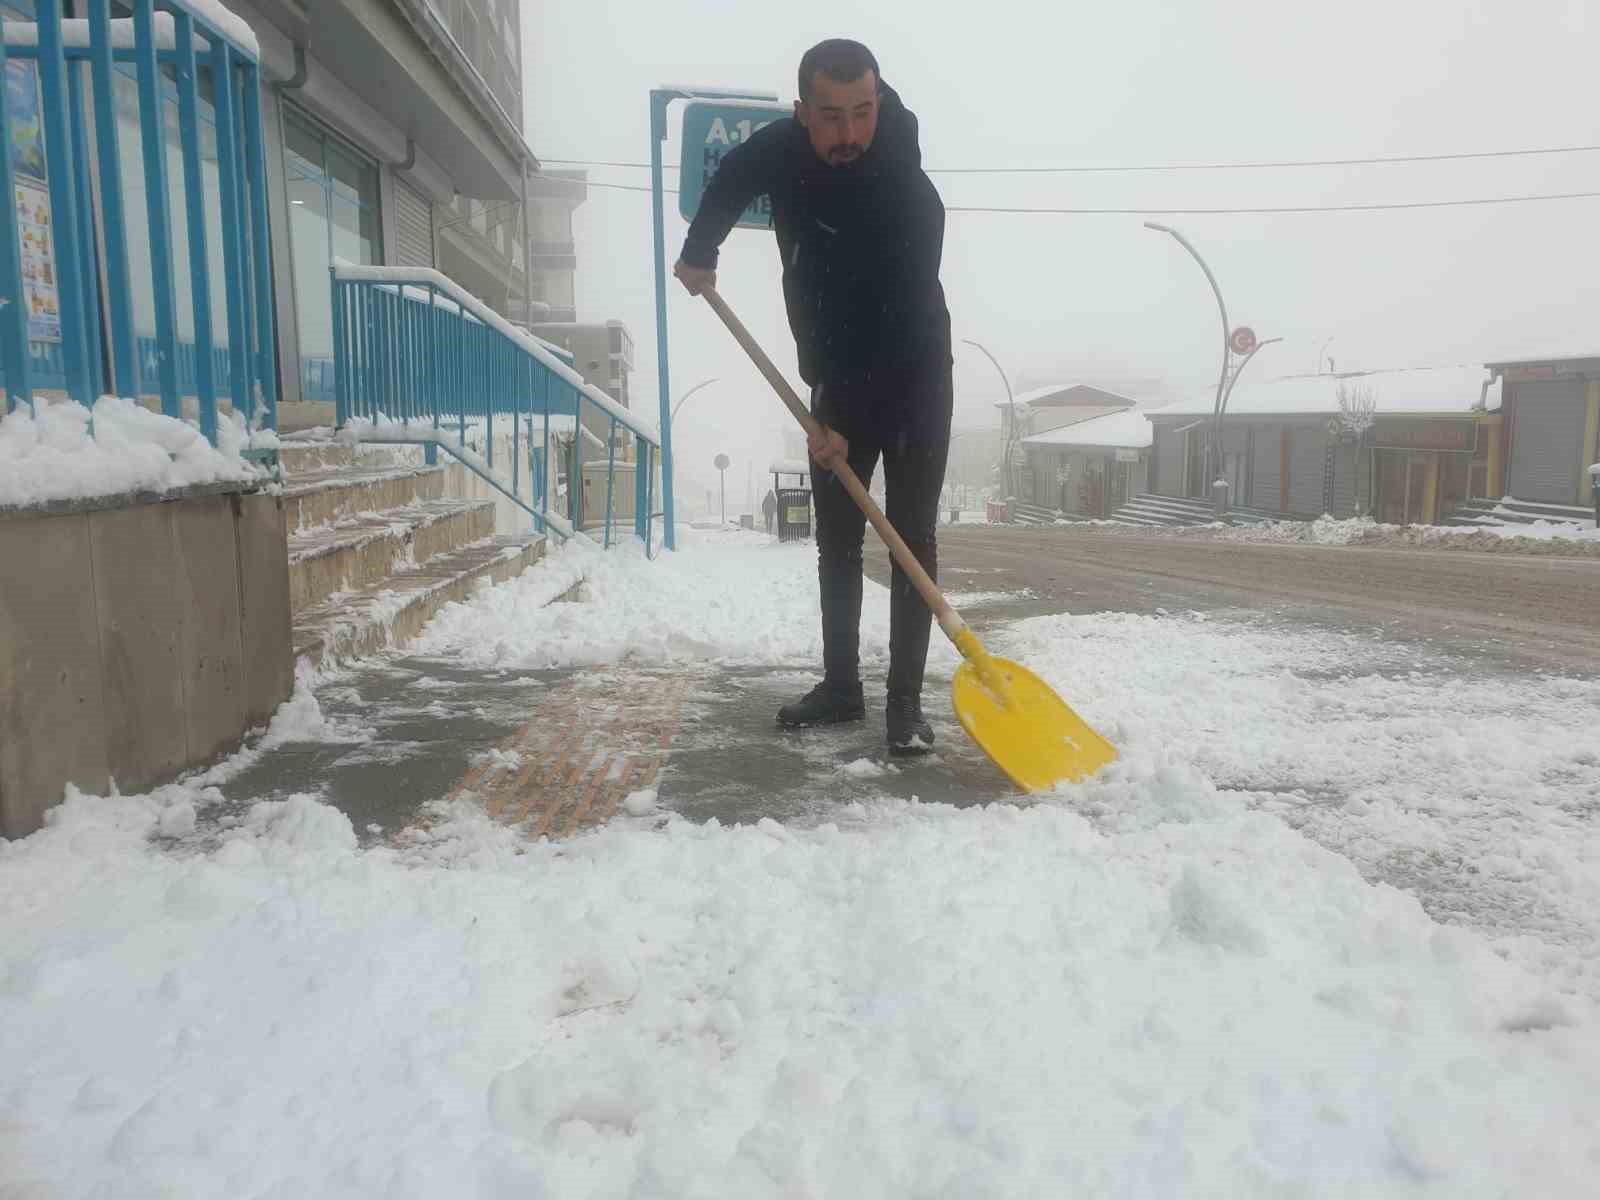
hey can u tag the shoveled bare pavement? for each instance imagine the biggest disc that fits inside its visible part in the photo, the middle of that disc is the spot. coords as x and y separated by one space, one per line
1514 611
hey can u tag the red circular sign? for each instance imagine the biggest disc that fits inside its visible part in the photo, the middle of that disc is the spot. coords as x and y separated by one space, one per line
1242 339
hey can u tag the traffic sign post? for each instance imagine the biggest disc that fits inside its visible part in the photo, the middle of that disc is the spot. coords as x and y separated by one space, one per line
720 462
660 99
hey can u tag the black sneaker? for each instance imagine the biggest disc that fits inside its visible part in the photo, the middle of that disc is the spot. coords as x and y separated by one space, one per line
825 704
909 731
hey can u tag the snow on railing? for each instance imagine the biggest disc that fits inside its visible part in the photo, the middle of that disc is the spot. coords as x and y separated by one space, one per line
415 353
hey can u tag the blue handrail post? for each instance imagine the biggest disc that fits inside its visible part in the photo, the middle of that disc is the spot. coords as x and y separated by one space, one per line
649 499
194 190
640 500
70 262
152 129
611 473
544 459
230 194
261 245
14 316
518 367
341 354
430 452
90 276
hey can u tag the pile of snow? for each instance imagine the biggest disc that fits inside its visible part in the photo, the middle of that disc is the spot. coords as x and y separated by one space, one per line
1330 531
1139 986
926 1001
729 596
55 455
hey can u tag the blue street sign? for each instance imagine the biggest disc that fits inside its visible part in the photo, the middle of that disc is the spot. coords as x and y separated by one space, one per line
710 130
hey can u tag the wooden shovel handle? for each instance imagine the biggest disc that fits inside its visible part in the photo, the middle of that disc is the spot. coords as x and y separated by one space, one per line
948 619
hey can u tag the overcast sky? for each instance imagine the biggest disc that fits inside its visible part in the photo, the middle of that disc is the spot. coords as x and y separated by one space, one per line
1100 299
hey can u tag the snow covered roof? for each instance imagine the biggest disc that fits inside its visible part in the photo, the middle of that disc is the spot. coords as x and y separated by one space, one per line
1059 391
1432 391
789 466
1541 359
1121 430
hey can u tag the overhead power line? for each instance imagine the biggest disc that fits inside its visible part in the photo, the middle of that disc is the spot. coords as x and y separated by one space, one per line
1214 166
1391 206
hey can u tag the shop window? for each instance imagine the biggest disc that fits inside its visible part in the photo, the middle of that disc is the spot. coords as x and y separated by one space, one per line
333 213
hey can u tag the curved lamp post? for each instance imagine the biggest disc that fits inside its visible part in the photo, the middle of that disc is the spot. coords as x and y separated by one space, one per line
1006 480
1222 376
1254 350
703 383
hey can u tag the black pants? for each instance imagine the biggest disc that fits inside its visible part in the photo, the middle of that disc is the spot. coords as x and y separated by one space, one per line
904 419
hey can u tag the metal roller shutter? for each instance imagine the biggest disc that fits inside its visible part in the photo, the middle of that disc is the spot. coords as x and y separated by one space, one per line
1546 441
413 226
1307 463
1266 469
1169 463
1345 459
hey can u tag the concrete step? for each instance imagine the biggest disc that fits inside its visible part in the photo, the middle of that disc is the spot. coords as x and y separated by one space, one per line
1517 512
358 551
307 457
333 493
1158 515
394 611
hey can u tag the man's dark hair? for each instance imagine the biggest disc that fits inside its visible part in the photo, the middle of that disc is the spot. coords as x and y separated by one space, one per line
840 59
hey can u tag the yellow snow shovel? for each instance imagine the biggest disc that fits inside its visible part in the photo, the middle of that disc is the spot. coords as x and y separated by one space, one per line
1011 713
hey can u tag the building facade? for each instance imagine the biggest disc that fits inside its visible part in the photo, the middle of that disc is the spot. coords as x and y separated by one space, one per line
1290 448
392 135
1091 468
1040 411
1551 427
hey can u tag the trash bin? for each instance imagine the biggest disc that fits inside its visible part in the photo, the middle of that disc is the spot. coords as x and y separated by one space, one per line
794 514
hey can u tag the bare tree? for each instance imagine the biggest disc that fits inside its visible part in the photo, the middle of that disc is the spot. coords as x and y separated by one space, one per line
1358 412
1358 408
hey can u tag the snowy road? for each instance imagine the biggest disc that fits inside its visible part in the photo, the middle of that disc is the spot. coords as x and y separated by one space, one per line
1327 929
1517 610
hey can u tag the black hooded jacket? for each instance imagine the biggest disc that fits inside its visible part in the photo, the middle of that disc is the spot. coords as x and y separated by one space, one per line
860 245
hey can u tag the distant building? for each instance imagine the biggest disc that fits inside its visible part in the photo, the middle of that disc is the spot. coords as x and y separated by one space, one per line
1042 410
1551 427
1287 452
603 354
1090 468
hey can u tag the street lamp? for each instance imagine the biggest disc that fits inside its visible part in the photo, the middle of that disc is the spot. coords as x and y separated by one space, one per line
690 392
1011 427
1222 377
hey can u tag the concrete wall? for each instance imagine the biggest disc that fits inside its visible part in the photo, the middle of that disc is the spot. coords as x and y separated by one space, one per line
135 642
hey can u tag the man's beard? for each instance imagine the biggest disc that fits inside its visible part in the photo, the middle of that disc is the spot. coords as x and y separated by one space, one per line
847 153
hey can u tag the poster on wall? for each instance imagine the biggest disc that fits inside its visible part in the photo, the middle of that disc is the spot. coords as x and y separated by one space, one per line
32 198
38 263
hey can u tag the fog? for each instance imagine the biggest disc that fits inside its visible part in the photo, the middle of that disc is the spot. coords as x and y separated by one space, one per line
1101 299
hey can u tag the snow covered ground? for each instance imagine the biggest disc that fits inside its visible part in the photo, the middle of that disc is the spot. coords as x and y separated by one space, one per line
1158 983
54 453
1556 536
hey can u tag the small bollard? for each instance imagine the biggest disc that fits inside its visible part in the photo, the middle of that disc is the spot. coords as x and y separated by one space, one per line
1219 499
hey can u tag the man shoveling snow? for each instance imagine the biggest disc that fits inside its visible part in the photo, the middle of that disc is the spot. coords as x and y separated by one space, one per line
861 231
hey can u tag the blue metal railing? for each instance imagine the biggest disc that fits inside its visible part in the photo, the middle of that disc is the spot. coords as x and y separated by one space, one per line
417 358
75 65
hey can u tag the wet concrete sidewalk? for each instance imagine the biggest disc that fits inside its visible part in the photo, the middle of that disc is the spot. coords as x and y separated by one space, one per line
552 753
